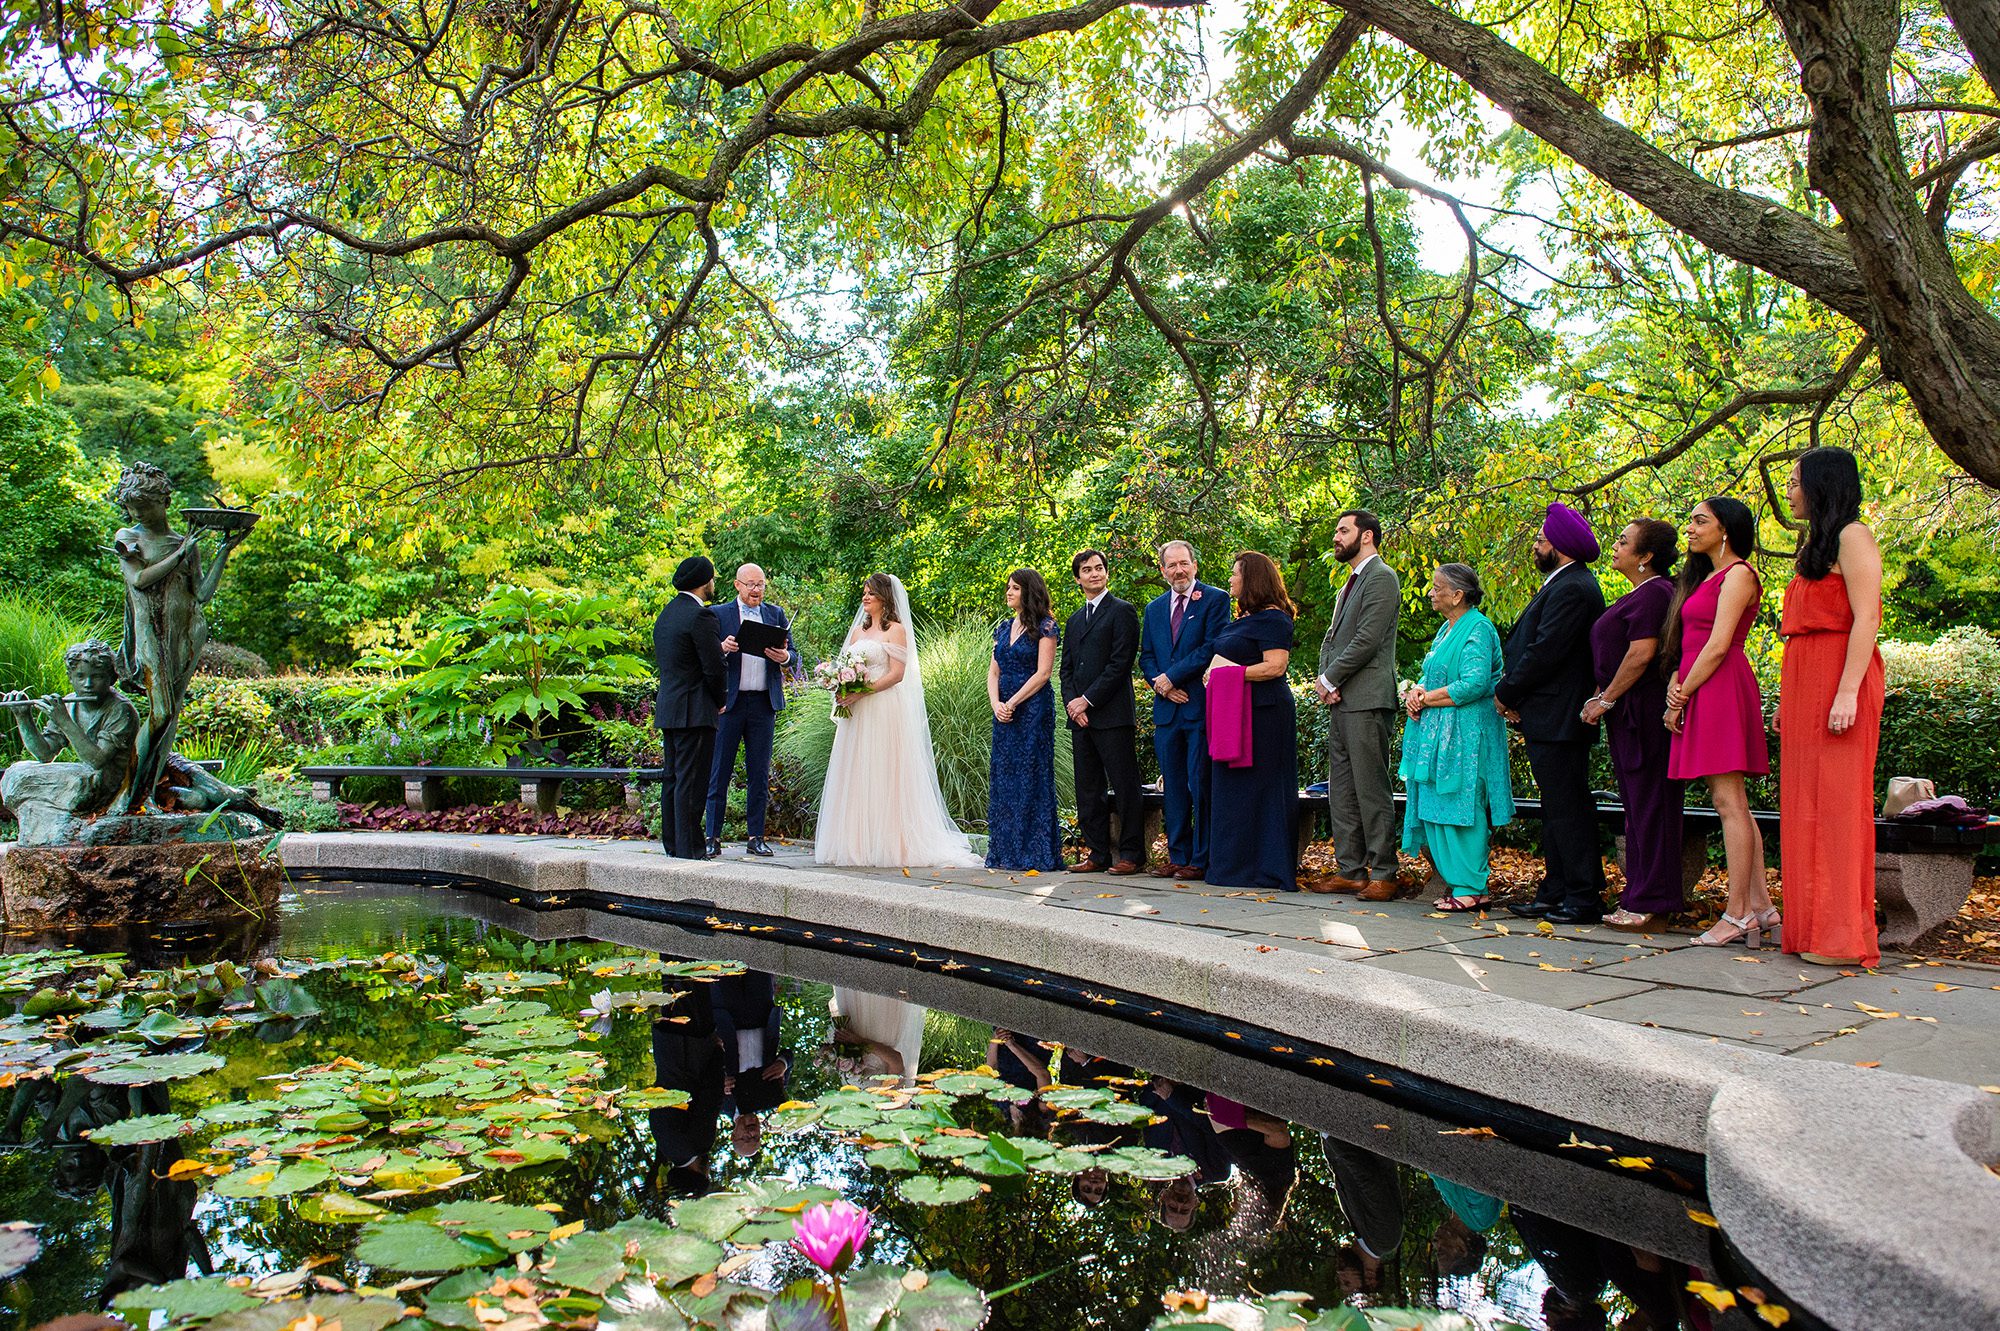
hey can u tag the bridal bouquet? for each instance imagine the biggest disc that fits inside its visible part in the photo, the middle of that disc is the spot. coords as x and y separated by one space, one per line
845 673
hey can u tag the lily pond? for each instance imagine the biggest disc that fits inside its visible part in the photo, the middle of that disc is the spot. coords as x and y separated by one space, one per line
394 1106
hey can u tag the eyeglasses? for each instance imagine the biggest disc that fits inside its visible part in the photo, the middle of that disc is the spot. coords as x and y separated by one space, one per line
751 586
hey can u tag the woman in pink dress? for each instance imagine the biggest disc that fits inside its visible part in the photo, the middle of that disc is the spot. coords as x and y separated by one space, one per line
1714 708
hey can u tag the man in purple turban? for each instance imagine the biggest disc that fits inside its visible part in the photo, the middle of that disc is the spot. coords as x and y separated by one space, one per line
1548 677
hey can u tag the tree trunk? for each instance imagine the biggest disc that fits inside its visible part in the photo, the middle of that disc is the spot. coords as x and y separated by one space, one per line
1887 269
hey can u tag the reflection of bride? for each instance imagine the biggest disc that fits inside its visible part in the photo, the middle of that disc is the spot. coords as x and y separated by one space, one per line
881 804
888 1031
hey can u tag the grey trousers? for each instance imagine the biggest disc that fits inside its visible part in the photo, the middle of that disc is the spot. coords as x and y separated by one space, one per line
1359 791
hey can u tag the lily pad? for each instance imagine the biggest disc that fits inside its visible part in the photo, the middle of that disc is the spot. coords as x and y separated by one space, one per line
721 1215
653 1097
522 1153
235 1113
148 1069
513 1228
900 1159
141 1130
337 1208
418 1248
502 981
348 1311
1144 1162
498 1010
661 1253
927 1191
890 1299
186 1300
269 1180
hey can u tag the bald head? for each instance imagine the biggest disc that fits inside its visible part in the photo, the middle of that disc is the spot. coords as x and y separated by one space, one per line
749 584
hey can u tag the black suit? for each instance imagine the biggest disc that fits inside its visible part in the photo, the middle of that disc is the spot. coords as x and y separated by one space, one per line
687 651
1547 680
1099 647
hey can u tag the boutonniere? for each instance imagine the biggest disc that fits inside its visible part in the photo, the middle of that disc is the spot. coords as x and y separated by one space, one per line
1195 595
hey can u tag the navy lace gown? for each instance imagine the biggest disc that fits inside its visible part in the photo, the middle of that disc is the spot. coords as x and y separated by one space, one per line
1021 805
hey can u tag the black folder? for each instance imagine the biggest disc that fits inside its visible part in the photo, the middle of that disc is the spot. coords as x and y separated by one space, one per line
756 638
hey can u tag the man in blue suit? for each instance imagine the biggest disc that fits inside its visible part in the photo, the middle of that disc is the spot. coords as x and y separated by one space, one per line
1175 644
754 694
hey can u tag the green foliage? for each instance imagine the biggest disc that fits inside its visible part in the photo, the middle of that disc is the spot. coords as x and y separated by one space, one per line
54 517
230 714
1940 714
955 658
243 763
517 664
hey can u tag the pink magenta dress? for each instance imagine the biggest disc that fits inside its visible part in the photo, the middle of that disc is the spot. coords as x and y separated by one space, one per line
1723 730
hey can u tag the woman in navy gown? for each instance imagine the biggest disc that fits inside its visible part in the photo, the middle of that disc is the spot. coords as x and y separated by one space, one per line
1253 810
1021 799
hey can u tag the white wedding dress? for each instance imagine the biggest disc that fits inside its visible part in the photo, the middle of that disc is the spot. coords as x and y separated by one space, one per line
881 805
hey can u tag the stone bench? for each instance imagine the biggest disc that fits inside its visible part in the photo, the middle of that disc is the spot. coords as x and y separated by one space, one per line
541 787
1923 874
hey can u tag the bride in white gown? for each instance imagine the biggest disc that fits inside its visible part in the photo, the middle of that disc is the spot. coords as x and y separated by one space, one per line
881 805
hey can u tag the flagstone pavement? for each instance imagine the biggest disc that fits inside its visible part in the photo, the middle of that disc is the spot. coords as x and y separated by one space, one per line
1909 1014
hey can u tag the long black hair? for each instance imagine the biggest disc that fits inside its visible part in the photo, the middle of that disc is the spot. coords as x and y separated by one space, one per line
1830 481
1739 533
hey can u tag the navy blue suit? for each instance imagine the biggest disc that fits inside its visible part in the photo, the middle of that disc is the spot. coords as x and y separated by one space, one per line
748 720
1179 739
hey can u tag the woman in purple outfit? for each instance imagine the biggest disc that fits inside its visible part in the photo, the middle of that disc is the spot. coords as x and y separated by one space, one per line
1714 709
1631 696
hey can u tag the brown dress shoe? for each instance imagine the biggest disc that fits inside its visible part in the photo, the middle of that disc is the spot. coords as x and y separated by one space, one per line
1124 868
1187 873
1335 883
1381 889
1164 869
1088 865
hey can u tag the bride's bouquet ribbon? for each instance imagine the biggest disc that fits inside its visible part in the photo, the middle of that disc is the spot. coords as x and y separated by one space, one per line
1229 716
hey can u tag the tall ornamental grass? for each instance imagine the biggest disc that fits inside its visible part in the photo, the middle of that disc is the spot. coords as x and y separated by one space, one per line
955 658
33 638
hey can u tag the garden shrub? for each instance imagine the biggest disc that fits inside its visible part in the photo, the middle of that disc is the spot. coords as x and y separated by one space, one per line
229 714
219 658
294 799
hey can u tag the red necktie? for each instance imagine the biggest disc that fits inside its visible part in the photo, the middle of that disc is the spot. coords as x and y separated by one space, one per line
1180 613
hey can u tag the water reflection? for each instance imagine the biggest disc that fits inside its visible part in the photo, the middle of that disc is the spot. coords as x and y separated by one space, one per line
1335 1209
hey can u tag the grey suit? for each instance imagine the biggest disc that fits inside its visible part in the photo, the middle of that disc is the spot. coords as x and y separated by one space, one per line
1358 657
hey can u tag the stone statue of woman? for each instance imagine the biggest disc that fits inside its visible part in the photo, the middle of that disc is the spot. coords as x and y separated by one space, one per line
165 590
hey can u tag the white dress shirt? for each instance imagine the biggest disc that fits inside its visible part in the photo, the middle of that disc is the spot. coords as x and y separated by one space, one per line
752 680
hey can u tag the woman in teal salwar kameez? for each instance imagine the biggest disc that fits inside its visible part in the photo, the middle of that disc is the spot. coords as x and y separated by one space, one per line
1455 748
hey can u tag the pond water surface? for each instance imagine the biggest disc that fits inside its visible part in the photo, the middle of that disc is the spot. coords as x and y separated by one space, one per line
1102 1167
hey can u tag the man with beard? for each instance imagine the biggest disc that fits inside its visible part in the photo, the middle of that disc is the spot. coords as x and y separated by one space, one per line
1357 680
1547 679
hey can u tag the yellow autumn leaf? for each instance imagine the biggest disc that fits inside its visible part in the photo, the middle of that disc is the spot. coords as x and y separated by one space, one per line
1714 1295
570 1230
1632 1161
1777 1314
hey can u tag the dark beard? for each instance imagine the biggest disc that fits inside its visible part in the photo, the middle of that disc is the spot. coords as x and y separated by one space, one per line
1345 553
1546 563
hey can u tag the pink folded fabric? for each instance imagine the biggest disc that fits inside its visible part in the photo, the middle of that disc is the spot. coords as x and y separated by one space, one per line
1226 1113
1229 716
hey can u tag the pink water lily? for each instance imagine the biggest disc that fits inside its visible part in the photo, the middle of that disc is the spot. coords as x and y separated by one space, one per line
831 1235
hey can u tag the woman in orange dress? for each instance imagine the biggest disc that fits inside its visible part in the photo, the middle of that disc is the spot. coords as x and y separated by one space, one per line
1830 718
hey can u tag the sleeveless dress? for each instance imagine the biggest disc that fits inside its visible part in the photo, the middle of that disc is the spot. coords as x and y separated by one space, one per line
1826 782
1723 729
1021 800
880 806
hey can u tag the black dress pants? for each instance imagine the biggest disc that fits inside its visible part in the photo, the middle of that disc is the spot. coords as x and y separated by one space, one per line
1108 757
1573 870
690 752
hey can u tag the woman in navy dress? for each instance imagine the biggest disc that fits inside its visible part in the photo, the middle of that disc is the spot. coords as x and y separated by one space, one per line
1021 798
1254 809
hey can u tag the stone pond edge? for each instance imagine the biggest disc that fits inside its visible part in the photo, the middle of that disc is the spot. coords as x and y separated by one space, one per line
1868 1187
